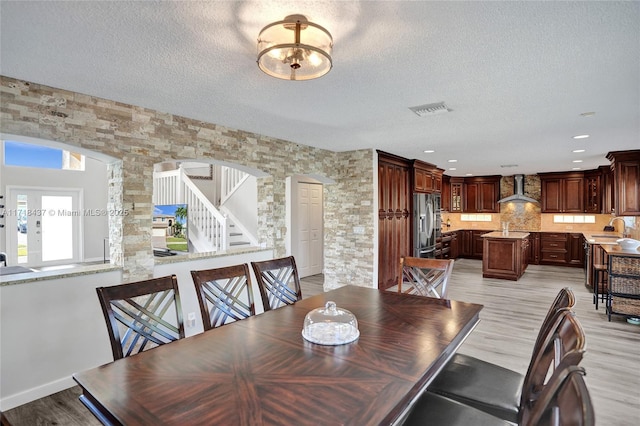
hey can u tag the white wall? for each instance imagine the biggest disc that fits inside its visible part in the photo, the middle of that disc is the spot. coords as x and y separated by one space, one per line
243 204
53 328
93 180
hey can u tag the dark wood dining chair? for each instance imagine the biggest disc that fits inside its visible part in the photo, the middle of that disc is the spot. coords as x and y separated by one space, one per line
497 389
224 295
502 392
142 315
278 282
565 401
424 277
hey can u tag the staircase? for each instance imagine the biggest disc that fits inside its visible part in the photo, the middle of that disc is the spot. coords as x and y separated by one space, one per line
210 228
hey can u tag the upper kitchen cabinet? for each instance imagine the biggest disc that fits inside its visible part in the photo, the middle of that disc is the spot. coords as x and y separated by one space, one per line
445 202
426 177
562 192
626 182
598 190
394 218
455 200
481 194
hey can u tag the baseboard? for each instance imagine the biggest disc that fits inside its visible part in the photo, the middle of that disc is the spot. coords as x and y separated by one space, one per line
12 401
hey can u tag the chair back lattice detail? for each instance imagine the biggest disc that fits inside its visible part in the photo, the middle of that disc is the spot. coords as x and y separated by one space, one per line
142 315
424 277
278 282
224 294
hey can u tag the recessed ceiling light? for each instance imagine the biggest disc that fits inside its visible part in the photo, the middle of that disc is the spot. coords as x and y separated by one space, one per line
581 137
452 161
429 151
588 114
577 161
452 168
469 174
578 150
576 168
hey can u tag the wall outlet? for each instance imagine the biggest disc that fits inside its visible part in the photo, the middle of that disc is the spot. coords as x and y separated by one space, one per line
358 230
191 319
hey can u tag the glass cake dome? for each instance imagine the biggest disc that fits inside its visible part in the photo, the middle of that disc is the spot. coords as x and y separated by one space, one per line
330 325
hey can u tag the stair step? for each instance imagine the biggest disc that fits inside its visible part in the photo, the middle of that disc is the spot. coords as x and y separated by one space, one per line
239 243
235 234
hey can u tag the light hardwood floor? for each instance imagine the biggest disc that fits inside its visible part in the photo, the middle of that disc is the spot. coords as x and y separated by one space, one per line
509 323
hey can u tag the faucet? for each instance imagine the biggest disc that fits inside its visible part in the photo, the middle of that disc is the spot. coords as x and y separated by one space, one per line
624 225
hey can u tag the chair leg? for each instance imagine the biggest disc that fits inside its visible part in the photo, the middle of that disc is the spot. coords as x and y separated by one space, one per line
596 287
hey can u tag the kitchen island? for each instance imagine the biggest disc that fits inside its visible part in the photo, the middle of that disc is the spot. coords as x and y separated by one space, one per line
504 255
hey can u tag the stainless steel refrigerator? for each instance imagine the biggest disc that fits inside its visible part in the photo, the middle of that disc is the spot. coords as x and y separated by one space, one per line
426 224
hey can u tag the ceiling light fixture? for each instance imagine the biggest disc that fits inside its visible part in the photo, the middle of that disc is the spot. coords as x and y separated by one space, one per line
452 161
428 151
581 137
295 49
577 151
577 161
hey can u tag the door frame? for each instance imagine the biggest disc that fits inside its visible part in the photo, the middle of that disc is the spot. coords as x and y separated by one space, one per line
11 242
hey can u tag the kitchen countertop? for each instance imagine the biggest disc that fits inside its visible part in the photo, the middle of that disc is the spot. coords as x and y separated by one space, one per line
511 235
602 237
616 250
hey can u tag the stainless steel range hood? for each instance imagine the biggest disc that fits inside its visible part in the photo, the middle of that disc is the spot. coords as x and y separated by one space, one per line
518 189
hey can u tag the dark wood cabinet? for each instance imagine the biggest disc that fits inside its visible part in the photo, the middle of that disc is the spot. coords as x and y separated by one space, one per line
457 185
562 192
426 177
464 243
445 201
394 218
477 244
575 252
606 189
481 194
553 248
626 182
533 248
593 191
447 246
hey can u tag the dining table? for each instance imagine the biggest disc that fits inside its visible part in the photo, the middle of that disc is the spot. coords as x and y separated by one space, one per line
262 371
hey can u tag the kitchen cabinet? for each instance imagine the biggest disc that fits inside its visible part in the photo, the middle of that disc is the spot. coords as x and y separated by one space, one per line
447 246
426 177
477 244
593 191
575 251
481 194
445 201
562 192
533 248
394 218
464 243
456 194
607 193
553 248
505 257
626 182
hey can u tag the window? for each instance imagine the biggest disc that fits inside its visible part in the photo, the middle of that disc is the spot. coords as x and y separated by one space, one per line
27 155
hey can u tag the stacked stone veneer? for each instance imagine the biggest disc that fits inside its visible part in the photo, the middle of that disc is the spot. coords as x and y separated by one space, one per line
137 138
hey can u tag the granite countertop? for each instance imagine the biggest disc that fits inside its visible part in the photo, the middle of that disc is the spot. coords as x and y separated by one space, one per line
616 250
511 235
602 237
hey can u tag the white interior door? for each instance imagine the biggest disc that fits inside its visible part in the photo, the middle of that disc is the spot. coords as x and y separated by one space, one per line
307 245
47 227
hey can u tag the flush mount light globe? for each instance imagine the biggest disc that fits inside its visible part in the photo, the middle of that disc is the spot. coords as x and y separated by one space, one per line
295 49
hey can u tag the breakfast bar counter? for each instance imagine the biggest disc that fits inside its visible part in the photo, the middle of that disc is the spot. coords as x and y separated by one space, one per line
504 255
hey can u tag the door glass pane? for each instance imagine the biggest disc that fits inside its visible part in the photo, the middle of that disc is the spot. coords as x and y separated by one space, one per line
57 227
21 210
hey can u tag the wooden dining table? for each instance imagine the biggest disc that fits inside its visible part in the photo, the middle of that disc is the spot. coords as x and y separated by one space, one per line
261 371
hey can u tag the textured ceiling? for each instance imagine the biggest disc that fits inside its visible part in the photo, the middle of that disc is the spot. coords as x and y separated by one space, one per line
517 75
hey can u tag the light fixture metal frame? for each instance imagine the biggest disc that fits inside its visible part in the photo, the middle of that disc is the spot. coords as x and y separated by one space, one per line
296 23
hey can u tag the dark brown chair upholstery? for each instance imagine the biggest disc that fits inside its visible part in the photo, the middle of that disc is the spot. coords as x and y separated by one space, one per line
278 282
564 401
503 392
424 277
142 315
224 294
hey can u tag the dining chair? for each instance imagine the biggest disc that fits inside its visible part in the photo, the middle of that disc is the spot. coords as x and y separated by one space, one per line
278 282
224 295
142 315
502 392
424 276
564 401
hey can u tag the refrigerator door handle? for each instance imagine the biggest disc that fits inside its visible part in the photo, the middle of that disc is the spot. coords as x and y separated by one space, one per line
431 218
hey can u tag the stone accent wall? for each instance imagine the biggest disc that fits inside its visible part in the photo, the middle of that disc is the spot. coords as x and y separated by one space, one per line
521 216
139 137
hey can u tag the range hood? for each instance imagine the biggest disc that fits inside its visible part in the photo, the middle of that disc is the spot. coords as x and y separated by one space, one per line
518 189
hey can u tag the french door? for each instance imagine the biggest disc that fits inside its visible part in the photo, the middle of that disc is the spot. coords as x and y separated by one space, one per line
43 226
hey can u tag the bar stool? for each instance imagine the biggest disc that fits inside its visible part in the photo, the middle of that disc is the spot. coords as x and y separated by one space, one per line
598 270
